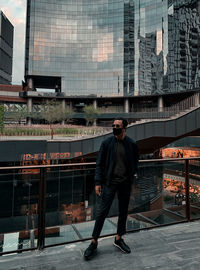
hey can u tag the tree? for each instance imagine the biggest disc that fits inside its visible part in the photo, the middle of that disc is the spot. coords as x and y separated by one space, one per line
91 114
52 112
66 114
17 114
1 118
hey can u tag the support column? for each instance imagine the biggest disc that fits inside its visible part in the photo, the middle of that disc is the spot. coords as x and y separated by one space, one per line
160 104
30 84
95 106
63 109
29 107
95 103
126 105
197 99
70 106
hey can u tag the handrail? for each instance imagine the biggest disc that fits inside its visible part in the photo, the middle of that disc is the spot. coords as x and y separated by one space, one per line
92 163
47 166
42 192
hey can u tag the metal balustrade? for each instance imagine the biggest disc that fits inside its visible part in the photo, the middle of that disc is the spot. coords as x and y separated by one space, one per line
48 205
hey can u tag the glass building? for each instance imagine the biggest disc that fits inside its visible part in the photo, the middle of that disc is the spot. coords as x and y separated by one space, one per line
6 49
113 47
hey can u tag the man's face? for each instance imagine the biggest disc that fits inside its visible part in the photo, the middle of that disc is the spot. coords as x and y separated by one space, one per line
117 124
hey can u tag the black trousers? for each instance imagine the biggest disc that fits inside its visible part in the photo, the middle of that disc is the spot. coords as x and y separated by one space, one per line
123 191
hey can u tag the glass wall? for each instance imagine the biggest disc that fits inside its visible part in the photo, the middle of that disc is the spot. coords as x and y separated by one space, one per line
115 47
80 41
166 42
184 43
151 46
19 209
6 49
158 197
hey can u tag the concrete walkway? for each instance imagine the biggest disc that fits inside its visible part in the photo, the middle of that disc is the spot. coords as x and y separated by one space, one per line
172 247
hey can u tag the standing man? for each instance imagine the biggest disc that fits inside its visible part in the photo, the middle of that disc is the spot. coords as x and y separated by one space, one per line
116 167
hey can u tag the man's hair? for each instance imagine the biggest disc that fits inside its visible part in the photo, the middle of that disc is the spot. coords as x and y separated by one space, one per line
124 121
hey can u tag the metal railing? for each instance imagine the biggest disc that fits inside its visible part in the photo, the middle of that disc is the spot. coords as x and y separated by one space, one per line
186 104
42 195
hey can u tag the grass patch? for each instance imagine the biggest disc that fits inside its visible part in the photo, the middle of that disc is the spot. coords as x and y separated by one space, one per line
23 131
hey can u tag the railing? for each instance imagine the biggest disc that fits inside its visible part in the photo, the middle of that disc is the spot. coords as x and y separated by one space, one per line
186 104
49 205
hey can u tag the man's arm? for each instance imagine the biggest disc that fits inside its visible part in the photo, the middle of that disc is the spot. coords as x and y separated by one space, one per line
99 169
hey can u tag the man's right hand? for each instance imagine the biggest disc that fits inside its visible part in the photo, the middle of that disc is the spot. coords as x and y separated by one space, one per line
98 190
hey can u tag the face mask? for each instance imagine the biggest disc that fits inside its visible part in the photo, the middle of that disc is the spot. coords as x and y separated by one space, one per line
117 131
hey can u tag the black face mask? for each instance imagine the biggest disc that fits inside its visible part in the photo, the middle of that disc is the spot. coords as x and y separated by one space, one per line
117 131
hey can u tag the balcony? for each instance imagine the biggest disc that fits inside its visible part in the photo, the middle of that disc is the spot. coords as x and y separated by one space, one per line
44 207
168 248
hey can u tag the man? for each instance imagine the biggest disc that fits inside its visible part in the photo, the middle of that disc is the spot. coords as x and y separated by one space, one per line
115 169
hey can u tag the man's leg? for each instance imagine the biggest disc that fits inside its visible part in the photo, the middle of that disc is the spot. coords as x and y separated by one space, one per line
124 191
106 199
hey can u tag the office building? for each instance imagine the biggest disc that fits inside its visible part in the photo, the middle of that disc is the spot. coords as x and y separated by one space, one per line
113 48
6 49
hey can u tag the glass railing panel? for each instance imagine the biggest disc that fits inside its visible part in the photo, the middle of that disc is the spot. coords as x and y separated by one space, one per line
155 195
19 210
70 202
194 188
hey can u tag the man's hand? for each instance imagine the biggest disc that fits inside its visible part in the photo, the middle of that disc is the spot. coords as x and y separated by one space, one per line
98 190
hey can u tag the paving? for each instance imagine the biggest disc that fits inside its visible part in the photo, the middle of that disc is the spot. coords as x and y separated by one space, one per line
170 247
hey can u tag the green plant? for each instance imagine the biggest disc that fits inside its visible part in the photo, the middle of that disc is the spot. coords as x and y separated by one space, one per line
1 118
17 113
91 114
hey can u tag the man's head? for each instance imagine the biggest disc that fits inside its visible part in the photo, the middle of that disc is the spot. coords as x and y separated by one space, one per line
119 127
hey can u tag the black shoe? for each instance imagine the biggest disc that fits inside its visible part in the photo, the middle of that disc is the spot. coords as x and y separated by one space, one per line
122 246
90 251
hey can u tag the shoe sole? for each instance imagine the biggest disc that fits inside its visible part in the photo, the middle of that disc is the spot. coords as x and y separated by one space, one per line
121 248
90 257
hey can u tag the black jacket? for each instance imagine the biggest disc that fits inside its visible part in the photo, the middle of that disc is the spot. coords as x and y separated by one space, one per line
106 158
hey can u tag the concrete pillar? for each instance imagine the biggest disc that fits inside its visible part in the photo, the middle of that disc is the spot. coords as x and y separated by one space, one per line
70 105
160 104
95 106
63 108
30 84
197 99
29 107
95 103
126 106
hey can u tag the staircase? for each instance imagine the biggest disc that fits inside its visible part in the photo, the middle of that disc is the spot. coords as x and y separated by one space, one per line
181 108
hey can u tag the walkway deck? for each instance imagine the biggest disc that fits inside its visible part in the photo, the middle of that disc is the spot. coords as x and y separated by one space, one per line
175 247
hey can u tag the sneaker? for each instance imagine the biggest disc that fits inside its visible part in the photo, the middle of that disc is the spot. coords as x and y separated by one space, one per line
90 251
122 246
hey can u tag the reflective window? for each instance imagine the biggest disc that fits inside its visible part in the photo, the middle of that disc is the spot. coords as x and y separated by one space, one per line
116 47
81 41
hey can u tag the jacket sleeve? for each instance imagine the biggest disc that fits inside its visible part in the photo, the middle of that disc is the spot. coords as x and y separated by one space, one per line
100 165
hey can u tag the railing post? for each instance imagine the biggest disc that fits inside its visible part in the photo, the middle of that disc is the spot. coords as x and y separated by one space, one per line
187 193
42 209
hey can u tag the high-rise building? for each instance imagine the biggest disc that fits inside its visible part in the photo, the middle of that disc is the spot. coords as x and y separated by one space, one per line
6 49
184 45
113 47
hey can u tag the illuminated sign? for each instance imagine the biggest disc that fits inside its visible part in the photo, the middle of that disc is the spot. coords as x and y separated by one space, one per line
50 156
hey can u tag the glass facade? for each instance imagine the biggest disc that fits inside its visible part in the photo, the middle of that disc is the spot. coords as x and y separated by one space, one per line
114 47
184 45
80 41
6 49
